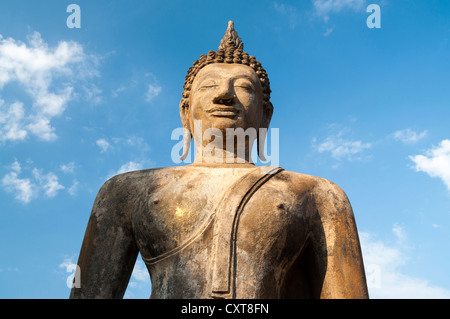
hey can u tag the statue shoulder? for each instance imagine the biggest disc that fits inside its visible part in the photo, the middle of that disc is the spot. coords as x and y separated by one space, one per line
130 186
327 203
320 189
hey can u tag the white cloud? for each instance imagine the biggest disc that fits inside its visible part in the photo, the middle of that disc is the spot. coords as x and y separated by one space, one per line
74 188
399 233
41 127
340 147
49 182
26 189
23 189
386 278
152 92
15 166
323 8
435 162
408 136
120 143
68 168
93 94
128 167
134 147
47 75
103 144
137 142
67 263
115 93
12 122
138 83
71 267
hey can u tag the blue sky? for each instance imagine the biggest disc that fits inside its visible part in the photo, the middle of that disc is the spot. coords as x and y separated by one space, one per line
365 108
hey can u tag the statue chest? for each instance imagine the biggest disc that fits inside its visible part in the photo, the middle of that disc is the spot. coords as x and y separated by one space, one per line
186 235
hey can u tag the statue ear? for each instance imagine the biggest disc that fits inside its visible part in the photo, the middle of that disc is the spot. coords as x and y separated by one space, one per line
184 115
267 114
262 132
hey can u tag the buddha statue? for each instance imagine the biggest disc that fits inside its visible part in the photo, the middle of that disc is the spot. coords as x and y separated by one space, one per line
223 227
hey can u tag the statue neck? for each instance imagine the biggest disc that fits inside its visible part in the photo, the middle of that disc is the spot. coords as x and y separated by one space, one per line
218 150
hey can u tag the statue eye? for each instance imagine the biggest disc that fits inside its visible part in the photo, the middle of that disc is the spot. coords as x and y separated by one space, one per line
246 86
207 85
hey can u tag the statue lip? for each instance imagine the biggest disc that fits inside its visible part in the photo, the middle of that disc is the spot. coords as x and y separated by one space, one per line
223 111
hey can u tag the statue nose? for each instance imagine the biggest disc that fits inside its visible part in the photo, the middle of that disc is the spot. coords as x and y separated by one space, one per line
224 101
225 96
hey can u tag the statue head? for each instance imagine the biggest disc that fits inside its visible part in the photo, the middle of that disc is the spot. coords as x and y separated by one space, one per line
226 89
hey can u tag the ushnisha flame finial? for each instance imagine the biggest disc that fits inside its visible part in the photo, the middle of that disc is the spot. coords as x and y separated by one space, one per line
231 38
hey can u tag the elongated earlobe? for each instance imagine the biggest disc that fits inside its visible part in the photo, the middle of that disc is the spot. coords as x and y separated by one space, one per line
186 143
261 140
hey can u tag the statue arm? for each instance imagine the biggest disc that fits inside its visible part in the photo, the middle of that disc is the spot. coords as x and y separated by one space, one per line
109 251
336 247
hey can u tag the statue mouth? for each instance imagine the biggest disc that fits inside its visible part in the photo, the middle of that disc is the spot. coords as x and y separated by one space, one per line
223 111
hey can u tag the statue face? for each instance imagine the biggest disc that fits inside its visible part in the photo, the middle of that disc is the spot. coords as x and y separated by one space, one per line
226 96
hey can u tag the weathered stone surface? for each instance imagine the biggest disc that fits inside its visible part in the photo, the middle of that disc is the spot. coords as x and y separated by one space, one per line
223 230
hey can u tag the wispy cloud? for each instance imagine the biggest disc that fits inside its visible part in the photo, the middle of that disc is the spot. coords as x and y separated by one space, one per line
384 263
48 182
325 7
26 189
146 84
103 144
328 31
289 11
340 146
153 88
408 136
127 167
67 263
153 91
47 76
12 122
115 92
92 93
68 168
118 143
74 188
15 166
70 267
435 162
